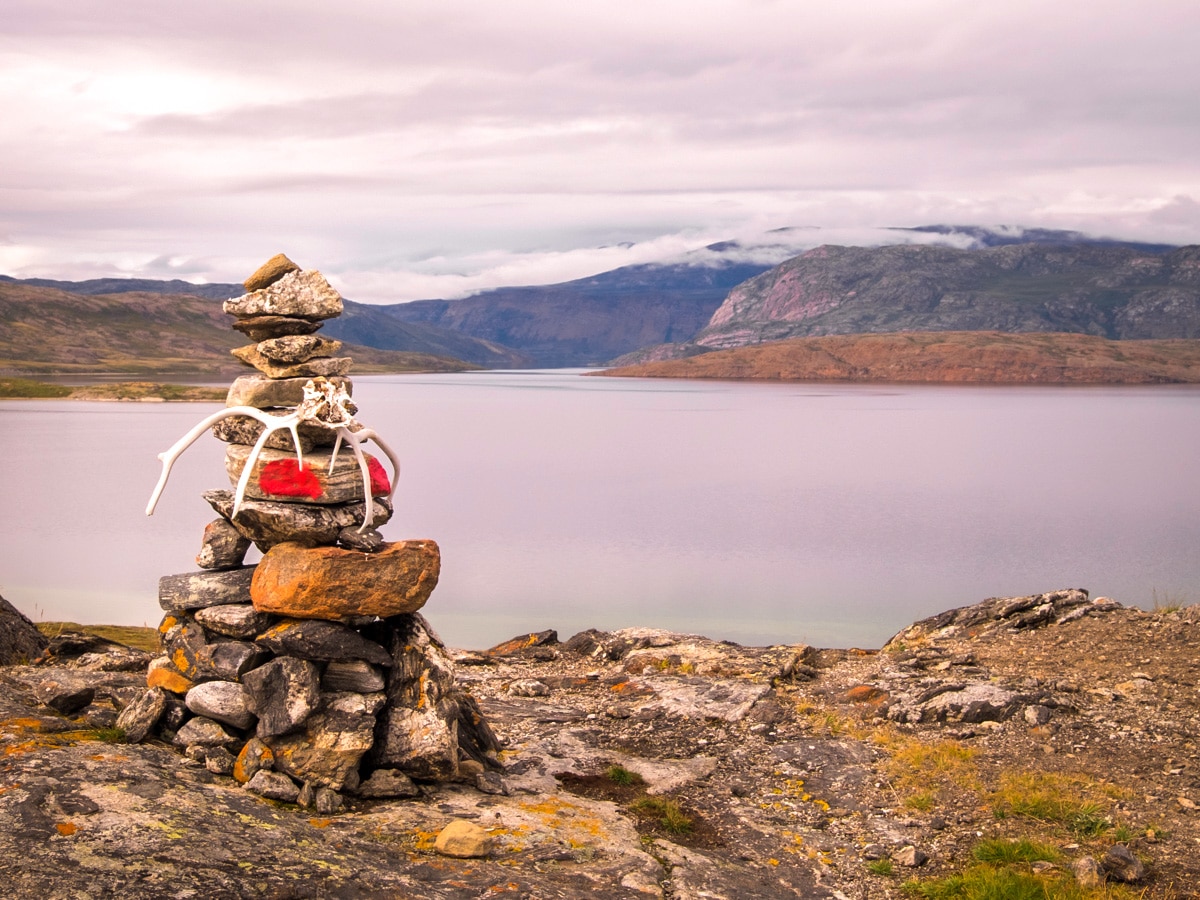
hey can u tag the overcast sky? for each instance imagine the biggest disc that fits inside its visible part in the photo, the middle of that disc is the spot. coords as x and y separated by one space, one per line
422 149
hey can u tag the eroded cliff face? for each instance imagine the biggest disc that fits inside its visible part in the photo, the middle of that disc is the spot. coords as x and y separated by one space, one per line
1110 291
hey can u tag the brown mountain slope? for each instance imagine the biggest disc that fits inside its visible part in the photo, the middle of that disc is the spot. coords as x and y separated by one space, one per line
971 356
49 331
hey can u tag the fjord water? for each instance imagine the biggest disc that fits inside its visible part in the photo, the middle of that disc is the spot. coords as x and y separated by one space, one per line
759 513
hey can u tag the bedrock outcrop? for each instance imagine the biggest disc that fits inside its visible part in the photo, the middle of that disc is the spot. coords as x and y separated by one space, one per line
801 772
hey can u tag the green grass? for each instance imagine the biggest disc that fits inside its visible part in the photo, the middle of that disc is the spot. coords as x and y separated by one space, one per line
667 812
1007 852
1004 873
881 867
623 776
129 635
1075 802
28 389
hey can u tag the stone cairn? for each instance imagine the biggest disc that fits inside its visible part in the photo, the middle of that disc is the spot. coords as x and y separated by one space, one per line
311 674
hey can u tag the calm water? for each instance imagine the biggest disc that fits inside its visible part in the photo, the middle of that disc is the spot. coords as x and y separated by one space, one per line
753 512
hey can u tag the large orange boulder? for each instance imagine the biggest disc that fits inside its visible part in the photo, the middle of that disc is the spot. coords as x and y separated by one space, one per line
331 583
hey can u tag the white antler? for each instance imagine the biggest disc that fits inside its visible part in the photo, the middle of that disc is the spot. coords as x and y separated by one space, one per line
325 404
169 456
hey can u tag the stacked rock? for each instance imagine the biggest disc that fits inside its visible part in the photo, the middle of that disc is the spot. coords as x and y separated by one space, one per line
312 673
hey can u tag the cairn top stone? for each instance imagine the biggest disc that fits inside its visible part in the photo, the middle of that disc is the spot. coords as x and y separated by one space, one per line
270 272
303 295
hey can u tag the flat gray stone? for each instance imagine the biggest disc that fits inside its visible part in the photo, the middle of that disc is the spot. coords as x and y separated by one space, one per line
197 590
356 675
236 620
262 392
319 640
269 522
262 328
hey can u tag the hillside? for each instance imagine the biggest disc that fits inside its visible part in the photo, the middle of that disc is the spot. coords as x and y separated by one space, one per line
45 330
1111 290
963 357
590 320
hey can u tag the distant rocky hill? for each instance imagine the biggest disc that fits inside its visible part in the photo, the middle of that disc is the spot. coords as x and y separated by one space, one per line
590 320
46 330
950 357
1112 291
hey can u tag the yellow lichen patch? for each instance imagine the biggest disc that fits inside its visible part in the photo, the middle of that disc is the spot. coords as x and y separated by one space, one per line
320 823
66 829
561 814
424 840
167 624
772 861
22 724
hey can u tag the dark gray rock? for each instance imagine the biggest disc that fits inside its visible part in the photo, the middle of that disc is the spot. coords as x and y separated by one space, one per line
185 645
263 328
1121 865
273 786
284 692
388 783
246 430
219 761
356 675
368 540
327 802
196 590
20 640
320 640
139 718
230 660
240 621
222 547
267 522
64 694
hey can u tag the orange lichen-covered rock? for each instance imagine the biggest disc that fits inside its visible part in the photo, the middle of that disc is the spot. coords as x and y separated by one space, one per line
162 674
330 583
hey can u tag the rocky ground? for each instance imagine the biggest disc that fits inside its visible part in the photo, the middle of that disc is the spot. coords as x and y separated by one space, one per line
642 763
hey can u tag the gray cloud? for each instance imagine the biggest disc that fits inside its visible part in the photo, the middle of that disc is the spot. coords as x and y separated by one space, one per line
442 147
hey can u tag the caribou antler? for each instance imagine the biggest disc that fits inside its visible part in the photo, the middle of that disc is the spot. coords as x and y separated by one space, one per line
326 405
